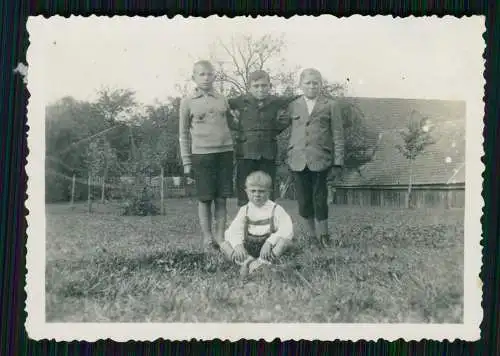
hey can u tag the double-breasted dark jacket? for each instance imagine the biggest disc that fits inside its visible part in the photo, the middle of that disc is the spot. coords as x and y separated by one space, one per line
257 126
316 139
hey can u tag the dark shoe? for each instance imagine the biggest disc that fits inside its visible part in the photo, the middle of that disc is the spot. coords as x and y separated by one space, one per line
211 263
209 245
313 240
318 243
325 241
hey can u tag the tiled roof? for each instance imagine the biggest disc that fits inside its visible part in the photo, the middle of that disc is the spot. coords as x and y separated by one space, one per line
442 163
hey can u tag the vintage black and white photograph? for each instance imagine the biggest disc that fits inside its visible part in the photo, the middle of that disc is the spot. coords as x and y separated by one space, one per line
311 177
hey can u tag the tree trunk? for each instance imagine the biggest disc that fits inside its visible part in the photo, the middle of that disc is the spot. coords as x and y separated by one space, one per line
103 187
410 183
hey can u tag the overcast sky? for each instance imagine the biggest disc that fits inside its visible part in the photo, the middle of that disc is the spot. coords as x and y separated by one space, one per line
381 56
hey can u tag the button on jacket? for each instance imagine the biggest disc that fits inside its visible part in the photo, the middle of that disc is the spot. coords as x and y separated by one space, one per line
257 127
316 139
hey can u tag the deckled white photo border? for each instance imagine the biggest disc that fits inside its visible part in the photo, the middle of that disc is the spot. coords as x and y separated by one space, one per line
38 328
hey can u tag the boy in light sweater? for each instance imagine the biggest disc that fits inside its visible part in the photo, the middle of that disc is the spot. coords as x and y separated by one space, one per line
261 231
207 150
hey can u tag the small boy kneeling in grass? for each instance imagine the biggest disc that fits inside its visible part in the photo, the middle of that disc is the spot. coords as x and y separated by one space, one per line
261 231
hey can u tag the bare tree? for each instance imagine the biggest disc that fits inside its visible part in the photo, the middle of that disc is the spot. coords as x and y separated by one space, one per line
236 59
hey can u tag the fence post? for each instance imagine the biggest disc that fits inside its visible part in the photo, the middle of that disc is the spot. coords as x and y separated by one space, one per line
73 191
89 195
162 194
103 188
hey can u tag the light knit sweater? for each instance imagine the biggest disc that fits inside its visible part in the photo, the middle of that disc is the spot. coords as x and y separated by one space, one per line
203 126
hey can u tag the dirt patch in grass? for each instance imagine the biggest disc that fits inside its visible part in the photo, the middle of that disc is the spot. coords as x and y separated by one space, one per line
387 266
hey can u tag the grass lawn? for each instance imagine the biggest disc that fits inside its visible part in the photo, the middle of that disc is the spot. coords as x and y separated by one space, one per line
392 266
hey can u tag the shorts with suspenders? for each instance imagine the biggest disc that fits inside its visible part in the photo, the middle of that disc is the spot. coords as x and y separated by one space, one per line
253 243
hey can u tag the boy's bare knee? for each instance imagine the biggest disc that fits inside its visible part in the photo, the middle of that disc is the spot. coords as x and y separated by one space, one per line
281 246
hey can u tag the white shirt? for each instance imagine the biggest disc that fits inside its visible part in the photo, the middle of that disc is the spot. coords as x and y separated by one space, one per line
310 104
282 223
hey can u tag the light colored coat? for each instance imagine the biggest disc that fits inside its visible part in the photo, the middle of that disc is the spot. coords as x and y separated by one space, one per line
316 140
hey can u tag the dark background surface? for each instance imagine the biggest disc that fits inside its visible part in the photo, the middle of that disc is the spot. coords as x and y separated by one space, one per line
13 151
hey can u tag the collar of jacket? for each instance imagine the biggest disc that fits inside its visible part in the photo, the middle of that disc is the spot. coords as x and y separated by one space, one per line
250 100
319 99
198 93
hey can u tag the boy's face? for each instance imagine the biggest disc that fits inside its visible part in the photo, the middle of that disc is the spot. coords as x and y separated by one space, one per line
260 88
310 85
203 76
257 195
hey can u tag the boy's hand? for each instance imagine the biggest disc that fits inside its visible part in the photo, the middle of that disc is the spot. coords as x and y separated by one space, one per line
235 114
239 253
335 171
266 252
233 119
283 115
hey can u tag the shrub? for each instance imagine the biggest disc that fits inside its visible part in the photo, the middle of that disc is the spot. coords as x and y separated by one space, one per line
139 202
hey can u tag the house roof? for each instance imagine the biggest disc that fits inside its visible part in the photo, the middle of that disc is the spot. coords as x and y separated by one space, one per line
441 163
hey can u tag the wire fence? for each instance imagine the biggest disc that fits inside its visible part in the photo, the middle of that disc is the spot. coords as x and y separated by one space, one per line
112 187
64 188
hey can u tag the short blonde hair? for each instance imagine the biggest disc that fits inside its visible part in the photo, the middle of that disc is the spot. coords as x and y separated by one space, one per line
257 75
203 63
312 71
259 179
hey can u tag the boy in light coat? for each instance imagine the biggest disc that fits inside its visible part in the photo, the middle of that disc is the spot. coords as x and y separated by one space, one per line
315 148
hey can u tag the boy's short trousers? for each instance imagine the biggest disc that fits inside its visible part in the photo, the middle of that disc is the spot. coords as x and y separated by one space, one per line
254 245
213 173
312 193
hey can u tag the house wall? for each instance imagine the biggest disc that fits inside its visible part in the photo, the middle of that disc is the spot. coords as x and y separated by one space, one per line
431 196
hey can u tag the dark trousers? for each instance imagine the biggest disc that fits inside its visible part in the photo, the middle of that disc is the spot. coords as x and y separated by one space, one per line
245 167
213 174
312 193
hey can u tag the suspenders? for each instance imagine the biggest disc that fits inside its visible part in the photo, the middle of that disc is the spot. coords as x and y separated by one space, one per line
270 222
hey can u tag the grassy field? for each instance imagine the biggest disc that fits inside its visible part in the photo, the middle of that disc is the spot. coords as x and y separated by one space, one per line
391 266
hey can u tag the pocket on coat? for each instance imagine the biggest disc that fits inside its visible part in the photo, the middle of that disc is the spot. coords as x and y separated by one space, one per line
327 149
324 121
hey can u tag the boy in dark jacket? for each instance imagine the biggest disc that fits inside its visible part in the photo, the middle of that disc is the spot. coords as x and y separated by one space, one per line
260 119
